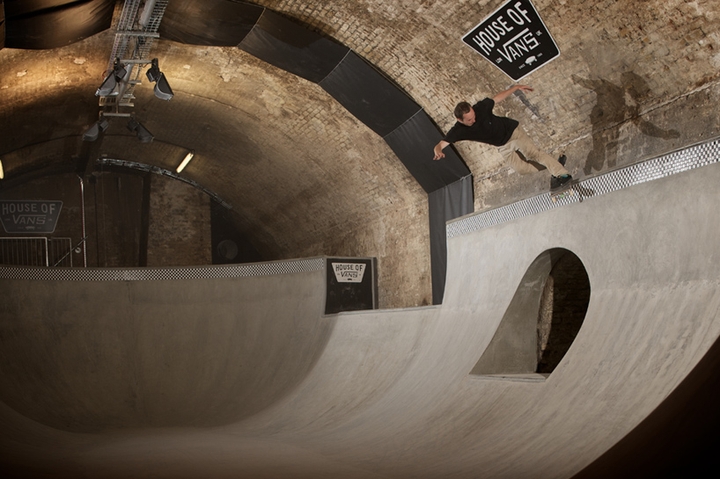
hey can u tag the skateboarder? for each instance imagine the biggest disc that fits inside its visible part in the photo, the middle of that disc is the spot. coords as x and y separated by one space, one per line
478 123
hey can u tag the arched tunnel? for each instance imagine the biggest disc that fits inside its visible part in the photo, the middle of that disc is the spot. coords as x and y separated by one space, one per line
515 336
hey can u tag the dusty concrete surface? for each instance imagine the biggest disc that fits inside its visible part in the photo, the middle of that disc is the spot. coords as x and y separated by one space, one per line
246 378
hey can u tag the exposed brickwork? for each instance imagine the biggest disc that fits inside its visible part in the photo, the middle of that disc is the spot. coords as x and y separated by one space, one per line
670 49
318 180
179 228
634 80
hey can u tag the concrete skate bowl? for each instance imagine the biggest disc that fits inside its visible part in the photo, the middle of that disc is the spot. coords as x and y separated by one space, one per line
377 394
94 354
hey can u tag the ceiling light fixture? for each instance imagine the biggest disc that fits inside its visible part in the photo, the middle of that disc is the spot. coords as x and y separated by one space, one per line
142 133
109 86
162 87
94 131
185 162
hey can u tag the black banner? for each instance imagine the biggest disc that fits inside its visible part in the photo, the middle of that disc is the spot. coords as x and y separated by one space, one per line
514 38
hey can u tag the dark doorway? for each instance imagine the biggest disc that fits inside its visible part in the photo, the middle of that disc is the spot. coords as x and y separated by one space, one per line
563 306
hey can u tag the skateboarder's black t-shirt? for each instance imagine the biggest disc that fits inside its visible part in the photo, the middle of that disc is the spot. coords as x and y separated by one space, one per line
488 128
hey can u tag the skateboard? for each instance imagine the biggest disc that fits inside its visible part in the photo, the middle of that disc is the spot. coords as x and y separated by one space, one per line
568 189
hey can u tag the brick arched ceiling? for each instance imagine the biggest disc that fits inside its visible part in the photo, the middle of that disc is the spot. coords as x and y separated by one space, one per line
633 80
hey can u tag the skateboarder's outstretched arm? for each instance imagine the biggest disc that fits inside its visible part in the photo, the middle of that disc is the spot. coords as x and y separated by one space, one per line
438 150
504 94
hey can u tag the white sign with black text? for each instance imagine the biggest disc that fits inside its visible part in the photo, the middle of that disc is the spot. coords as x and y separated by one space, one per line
349 272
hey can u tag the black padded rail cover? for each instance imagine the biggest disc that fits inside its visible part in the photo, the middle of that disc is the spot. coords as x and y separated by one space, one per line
209 22
45 24
445 204
290 46
369 95
413 144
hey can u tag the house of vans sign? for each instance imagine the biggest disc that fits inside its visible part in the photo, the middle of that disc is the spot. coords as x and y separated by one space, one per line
514 38
29 216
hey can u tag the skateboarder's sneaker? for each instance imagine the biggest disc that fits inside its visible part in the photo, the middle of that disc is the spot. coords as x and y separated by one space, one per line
562 159
558 181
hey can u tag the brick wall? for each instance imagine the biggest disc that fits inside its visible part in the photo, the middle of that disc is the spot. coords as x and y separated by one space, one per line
179 224
634 80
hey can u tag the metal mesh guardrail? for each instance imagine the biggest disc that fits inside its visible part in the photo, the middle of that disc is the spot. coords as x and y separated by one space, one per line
673 163
154 274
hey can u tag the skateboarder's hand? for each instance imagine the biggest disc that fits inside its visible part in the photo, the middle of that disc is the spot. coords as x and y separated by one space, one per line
438 150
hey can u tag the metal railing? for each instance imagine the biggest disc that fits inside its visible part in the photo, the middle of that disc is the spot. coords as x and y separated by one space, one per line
36 251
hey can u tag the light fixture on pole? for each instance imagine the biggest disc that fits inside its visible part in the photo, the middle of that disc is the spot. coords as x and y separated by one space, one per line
142 133
94 131
162 87
110 84
185 162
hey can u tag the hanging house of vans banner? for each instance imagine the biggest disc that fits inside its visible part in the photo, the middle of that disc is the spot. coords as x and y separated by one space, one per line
514 38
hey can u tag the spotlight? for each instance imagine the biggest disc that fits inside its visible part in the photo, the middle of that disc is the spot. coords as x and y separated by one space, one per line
94 131
162 87
185 162
154 72
109 85
142 133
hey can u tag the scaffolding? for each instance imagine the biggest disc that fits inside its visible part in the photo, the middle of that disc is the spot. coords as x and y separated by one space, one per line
136 29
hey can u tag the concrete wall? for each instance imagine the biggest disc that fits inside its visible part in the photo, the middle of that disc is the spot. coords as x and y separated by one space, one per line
89 356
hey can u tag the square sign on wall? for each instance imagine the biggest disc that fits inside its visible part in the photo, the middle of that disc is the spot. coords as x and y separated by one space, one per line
351 284
514 38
